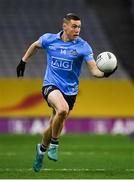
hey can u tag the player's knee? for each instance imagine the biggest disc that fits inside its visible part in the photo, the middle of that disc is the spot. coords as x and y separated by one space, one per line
63 112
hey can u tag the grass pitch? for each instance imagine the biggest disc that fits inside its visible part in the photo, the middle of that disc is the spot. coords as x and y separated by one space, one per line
81 156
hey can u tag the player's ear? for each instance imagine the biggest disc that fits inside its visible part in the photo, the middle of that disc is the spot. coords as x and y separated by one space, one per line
64 26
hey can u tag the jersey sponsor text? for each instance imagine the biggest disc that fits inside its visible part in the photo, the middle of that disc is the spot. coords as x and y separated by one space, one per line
60 63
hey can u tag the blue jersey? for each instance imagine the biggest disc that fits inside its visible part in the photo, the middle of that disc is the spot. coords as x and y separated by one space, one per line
64 60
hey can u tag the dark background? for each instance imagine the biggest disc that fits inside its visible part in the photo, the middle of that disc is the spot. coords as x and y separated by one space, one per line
108 25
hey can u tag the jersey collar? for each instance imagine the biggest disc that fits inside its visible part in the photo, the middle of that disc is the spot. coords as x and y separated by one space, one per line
59 37
59 34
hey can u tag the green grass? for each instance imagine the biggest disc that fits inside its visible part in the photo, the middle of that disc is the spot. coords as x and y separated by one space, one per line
80 157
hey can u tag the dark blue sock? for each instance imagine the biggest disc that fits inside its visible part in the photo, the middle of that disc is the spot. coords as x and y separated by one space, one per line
54 141
43 148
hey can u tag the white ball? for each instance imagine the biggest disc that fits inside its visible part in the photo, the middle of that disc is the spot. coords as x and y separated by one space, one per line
106 61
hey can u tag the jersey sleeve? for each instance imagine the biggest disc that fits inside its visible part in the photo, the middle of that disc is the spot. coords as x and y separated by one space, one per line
88 52
44 40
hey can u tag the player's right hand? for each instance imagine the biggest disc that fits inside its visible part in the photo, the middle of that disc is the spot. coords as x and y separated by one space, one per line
107 74
21 68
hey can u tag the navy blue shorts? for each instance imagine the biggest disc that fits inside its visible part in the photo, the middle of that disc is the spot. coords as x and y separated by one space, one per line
69 99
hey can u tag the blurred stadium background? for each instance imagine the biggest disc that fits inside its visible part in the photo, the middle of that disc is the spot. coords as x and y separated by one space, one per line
103 106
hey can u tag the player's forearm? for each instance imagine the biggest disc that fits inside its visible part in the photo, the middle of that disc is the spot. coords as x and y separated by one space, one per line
97 73
30 51
94 70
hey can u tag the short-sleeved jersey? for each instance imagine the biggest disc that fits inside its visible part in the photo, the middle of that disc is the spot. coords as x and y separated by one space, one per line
64 60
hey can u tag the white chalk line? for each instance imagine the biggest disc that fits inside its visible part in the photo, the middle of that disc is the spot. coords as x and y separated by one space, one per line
66 153
63 170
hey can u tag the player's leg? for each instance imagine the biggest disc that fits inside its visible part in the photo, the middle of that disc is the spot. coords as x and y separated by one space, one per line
47 134
41 148
51 134
57 101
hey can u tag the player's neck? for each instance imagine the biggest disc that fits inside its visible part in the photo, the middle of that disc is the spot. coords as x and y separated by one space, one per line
64 37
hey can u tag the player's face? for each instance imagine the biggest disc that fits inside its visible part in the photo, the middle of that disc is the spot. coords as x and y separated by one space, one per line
72 29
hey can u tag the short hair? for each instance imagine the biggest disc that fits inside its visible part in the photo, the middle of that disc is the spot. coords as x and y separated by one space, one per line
71 16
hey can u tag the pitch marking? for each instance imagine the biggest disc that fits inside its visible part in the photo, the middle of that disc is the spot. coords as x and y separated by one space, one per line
63 169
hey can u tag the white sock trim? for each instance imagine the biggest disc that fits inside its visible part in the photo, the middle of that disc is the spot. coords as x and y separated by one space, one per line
53 145
40 152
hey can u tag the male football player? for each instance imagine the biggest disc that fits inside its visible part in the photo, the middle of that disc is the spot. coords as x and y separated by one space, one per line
65 53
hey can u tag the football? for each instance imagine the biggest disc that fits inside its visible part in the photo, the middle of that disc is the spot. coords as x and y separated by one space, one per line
106 61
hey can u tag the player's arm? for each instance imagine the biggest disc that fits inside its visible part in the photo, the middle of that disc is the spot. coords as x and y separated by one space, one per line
96 72
30 51
94 69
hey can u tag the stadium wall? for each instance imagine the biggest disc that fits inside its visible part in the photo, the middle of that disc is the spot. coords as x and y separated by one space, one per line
102 106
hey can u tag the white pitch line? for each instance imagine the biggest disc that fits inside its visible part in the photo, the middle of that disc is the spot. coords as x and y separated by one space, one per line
129 169
63 170
69 169
80 153
66 153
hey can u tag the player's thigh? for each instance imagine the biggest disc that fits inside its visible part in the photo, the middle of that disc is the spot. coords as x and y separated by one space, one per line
57 101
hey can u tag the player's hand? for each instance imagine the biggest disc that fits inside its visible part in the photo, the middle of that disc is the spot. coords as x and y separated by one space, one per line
21 68
107 74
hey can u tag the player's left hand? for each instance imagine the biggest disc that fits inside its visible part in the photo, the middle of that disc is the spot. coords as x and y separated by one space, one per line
21 68
107 74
